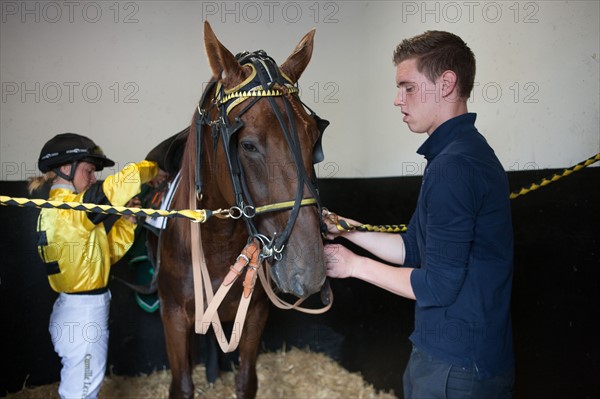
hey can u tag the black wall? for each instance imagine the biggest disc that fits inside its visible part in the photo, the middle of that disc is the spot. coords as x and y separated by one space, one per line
556 295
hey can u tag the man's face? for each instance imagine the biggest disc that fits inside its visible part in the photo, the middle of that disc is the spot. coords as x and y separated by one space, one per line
84 176
418 98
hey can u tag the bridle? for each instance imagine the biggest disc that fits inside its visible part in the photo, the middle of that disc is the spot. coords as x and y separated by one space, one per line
266 81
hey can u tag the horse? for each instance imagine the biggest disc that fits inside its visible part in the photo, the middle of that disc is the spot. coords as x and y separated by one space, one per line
249 152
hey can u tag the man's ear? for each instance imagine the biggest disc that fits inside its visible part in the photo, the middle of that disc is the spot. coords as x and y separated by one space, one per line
449 81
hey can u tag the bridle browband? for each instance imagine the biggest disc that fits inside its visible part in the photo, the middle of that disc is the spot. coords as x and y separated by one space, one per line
265 81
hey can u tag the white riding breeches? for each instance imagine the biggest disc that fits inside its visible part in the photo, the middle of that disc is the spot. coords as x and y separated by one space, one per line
79 331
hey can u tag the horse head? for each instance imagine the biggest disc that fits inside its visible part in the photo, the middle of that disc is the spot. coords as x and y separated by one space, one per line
260 130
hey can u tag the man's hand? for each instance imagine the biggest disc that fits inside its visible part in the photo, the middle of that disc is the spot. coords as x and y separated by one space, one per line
334 228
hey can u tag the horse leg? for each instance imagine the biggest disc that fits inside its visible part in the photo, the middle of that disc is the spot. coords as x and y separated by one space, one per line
178 323
246 381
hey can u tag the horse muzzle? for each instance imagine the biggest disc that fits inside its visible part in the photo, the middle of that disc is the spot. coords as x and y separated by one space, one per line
301 275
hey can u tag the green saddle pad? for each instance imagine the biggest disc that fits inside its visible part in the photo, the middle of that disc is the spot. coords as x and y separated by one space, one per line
143 276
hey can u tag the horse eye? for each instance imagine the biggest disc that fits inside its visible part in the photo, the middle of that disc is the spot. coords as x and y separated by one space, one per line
249 147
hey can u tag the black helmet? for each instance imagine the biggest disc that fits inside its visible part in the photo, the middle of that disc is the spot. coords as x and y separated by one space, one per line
67 148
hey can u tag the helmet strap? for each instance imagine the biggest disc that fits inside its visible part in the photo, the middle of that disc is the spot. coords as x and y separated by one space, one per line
71 175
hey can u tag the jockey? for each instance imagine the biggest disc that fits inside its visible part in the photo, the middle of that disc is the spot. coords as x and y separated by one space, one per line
78 249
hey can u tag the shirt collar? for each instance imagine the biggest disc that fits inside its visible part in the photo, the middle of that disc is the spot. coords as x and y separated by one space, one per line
69 187
445 134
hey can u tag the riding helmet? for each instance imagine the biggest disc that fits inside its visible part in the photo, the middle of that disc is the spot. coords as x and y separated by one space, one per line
66 148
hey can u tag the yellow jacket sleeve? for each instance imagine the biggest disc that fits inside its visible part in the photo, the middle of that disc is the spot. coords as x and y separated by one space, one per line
120 239
122 186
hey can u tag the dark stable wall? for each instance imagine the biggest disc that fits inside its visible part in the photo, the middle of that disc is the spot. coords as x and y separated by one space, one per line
556 295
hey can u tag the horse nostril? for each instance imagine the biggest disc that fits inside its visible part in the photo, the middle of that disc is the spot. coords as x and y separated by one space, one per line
297 288
301 287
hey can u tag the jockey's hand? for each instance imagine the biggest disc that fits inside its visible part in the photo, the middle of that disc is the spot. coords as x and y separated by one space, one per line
158 179
135 202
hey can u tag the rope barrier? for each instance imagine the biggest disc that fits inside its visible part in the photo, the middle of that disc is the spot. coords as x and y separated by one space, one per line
202 215
555 177
197 216
401 228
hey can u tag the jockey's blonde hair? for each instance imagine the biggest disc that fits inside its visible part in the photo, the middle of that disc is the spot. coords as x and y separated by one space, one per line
37 182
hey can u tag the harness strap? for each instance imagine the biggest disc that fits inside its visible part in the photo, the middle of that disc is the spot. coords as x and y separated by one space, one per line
200 276
202 286
198 264
281 304
210 317
201 119
249 260
249 257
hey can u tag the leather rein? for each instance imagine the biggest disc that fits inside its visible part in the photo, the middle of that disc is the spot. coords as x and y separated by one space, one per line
266 81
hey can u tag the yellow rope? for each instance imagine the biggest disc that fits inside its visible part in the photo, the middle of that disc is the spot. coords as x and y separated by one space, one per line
202 215
555 177
394 228
199 215
400 228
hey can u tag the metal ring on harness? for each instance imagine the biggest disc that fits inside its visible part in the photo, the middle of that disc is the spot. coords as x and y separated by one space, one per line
249 211
235 212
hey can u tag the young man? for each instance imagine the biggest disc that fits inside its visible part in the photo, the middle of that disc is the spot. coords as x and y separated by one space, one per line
458 250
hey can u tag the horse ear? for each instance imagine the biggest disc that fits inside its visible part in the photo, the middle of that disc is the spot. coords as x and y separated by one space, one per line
300 57
222 63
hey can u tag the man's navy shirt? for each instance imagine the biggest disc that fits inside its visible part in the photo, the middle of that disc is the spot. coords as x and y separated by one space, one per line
460 242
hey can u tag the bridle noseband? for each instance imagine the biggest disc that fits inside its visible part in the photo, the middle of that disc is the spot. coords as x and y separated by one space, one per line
266 81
